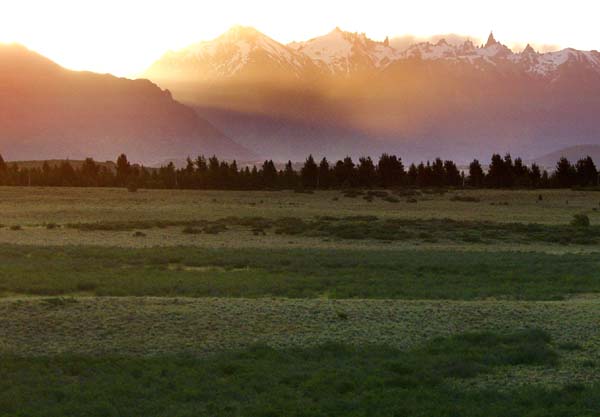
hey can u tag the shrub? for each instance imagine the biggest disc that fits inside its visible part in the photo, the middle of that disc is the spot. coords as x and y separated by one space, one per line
132 187
51 226
139 234
15 227
465 199
580 220
342 315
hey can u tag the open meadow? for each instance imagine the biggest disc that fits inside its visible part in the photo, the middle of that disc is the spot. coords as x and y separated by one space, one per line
272 303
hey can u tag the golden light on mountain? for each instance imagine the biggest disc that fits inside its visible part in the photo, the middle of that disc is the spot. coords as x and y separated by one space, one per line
125 37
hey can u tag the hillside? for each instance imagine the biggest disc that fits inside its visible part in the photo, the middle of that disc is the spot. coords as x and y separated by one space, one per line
49 112
573 154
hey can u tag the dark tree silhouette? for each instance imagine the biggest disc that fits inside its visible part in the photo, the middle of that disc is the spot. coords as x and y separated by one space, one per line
309 174
476 175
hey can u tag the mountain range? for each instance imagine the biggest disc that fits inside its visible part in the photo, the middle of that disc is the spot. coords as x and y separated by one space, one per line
244 95
49 112
345 94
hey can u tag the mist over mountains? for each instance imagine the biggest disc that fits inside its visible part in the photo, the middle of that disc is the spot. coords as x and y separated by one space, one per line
247 96
345 94
49 112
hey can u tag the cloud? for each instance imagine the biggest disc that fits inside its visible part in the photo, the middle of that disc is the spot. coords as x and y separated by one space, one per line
405 41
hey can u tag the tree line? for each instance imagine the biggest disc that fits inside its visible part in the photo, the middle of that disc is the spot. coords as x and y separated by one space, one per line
387 172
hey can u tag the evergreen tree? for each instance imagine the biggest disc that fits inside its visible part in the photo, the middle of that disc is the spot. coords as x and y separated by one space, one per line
390 171
452 174
3 171
496 175
476 175
521 174
565 175
168 176
366 174
411 175
324 180
345 173
123 170
212 173
88 173
437 173
587 174
269 174
509 172
67 174
289 176
424 175
309 173
535 176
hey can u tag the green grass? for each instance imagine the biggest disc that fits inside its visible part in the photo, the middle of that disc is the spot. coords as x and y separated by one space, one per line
371 227
296 273
355 303
22 205
328 380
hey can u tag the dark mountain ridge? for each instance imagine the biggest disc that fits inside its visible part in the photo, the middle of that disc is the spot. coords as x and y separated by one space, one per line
49 112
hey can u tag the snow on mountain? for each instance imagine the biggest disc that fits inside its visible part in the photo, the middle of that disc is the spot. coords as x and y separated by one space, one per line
246 50
228 55
345 52
494 52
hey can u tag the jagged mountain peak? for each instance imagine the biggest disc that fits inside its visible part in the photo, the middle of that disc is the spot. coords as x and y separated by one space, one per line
491 40
341 52
529 50
345 53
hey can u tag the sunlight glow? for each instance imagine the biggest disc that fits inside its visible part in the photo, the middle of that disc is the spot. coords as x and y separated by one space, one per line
124 37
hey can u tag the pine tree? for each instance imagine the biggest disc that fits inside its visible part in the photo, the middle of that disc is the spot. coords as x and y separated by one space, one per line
324 180
535 176
587 174
309 173
390 171
452 174
476 175
366 174
289 176
269 174
565 175
123 170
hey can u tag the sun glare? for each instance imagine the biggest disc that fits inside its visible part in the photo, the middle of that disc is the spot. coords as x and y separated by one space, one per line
124 37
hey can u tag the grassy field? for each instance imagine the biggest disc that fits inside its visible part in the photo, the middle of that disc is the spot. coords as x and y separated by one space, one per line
407 303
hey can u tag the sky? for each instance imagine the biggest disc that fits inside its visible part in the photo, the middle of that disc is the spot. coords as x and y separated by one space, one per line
124 37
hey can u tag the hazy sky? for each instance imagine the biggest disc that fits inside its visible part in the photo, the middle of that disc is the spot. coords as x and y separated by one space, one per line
125 36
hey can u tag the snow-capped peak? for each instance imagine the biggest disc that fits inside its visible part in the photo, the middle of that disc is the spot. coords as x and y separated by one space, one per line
344 52
229 54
